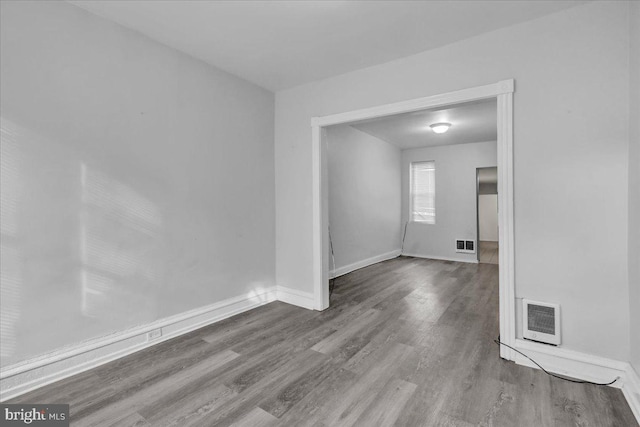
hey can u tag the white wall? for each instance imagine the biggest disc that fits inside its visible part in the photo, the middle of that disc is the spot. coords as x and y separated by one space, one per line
572 83
137 183
455 198
488 217
634 183
364 196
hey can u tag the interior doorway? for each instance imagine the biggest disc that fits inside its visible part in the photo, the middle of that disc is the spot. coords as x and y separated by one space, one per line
487 215
502 91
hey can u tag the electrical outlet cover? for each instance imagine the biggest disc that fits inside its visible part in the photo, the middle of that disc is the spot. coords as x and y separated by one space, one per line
154 335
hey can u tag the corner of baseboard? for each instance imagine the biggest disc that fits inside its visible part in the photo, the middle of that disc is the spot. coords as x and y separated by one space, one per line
295 297
572 363
341 271
32 374
631 390
441 258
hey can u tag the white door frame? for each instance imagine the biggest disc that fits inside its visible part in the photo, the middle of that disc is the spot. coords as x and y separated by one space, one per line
503 92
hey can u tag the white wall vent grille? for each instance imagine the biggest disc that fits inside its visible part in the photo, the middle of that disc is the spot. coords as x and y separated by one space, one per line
541 321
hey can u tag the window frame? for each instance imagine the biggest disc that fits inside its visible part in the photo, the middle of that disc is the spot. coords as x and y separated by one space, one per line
412 194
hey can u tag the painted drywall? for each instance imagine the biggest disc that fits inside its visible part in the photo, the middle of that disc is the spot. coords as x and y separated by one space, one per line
364 196
488 217
570 153
137 183
455 198
634 182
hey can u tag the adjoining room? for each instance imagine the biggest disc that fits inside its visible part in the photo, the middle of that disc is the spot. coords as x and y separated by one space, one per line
397 187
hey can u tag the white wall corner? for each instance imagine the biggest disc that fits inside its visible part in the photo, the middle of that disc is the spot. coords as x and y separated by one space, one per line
363 263
296 297
32 374
631 390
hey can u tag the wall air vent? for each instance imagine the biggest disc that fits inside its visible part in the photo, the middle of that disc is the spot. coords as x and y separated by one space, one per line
466 246
541 321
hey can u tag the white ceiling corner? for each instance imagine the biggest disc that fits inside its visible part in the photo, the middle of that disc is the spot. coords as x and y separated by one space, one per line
282 44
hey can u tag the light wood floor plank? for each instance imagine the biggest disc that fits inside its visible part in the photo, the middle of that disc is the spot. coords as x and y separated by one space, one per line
256 418
388 405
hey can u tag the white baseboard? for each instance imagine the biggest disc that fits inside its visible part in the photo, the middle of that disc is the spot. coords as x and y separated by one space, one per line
631 390
571 363
584 367
441 258
295 297
38 372
363 263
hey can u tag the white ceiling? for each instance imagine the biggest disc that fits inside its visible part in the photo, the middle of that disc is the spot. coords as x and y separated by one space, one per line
282 44
470 122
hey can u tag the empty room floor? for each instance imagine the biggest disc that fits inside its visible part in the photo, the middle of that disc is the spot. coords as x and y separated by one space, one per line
488 252
406 342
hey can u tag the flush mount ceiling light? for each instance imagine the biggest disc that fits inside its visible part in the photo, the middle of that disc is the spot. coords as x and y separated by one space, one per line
440 127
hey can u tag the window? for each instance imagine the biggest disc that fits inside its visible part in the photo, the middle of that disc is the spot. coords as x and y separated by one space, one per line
422 194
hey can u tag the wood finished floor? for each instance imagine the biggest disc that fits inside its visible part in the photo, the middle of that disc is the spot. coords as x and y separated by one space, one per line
488 252
406 342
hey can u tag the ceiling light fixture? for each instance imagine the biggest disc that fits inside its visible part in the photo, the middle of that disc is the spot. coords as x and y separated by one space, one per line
440 127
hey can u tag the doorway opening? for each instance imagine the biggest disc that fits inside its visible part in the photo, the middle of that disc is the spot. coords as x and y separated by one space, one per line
503 93
487 215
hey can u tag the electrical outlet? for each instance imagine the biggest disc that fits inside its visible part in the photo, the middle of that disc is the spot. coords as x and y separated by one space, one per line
154 335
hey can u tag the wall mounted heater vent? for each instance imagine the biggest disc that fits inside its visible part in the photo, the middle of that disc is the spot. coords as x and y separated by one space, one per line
541 321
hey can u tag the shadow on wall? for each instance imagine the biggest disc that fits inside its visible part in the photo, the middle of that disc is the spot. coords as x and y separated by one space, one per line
119 231
10 256
80 250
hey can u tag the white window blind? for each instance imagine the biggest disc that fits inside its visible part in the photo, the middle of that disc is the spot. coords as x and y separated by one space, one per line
423 192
